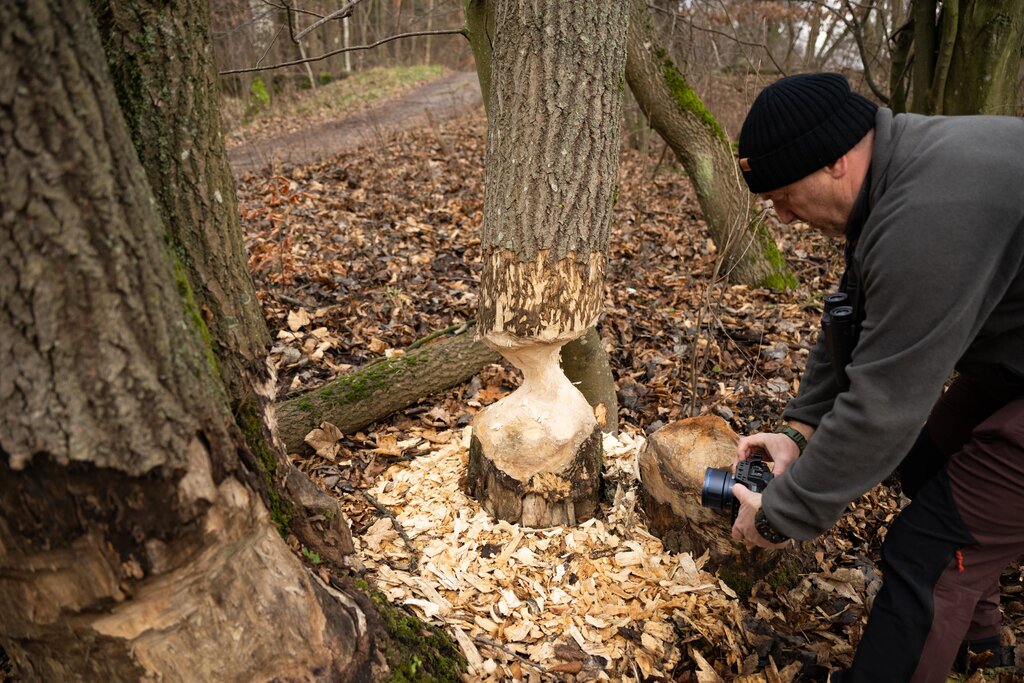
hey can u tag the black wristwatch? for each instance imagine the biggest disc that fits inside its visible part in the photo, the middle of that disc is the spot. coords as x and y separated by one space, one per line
767 531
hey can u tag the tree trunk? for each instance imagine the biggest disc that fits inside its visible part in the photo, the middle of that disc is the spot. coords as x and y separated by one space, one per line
552 158
165 79
674 110
967 61
131 545
983 75
363 396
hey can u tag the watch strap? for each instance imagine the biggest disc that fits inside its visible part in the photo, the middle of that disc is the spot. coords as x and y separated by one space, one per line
799 439
767 531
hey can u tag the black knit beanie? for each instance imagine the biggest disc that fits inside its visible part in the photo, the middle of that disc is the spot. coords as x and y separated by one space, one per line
798 125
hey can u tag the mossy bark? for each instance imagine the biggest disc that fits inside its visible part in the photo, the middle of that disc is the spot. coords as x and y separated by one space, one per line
750 255
128 531
360 397
161 61
966 57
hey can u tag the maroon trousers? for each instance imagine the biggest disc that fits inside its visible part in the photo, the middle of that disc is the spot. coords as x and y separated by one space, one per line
942 558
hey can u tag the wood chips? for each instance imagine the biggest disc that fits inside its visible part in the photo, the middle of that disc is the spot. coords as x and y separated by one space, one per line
602 601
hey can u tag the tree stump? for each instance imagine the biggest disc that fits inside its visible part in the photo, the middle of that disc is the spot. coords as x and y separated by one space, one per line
672 468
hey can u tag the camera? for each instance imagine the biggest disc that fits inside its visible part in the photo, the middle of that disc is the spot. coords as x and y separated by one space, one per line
717 490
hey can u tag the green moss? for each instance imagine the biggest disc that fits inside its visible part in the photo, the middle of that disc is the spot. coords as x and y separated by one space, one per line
358 385
416 651
686 98
741 583
784 577
259 98
248 420
192 313
311 556
780 277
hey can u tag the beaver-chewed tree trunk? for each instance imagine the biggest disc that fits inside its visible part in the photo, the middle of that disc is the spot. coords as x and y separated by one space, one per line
132 545
552 159
672 469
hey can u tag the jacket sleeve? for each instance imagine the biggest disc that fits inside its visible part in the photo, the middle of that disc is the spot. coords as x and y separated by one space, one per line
936 257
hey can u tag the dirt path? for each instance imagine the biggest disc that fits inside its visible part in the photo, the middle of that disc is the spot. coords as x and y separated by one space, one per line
437 100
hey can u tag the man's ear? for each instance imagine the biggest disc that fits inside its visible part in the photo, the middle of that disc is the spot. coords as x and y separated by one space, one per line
839 168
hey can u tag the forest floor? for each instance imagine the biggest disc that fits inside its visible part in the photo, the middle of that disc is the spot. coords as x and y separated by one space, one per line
363 235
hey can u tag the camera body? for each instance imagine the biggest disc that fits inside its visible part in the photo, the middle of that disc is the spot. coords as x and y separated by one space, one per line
717 490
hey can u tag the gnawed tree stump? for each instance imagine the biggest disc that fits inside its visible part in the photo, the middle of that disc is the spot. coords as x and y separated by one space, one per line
672 468
535 456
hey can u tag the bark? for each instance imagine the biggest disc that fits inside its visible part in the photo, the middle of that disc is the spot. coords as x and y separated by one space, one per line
968 61
672 469
361 397
552 157
128 533
585 362
164 73
983 76
747 247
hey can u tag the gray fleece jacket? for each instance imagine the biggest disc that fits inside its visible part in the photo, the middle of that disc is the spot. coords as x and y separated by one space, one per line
941 260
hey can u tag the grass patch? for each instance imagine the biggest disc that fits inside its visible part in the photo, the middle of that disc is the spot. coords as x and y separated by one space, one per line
329 100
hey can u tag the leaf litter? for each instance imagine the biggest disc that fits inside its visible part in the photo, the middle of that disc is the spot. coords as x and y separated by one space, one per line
358 257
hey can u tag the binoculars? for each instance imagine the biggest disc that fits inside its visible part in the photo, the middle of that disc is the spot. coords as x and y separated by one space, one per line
840 330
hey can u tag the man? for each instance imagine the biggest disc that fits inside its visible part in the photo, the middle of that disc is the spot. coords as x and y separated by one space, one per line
932 209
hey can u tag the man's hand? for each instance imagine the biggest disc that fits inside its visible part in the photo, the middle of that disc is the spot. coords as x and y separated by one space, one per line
778 448
743 529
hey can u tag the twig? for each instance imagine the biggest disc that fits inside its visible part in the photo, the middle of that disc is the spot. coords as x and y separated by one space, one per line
732 37
338 14
282 65
267 51
457 327
487 642
413 561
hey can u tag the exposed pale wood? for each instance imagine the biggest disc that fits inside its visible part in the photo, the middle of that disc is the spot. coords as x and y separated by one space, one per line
672 469
536 453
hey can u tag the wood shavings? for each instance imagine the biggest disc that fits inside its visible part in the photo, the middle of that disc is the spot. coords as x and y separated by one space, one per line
534 593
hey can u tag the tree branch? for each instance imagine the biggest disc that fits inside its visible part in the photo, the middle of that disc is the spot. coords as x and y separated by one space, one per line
282 65
342 13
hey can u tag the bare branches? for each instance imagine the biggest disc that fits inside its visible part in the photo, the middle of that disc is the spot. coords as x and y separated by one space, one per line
444 32
732 37
342 13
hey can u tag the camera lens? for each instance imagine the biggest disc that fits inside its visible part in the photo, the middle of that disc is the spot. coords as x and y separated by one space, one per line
717 490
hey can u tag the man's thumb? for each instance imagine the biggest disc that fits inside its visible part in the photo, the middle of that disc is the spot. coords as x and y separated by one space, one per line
743 494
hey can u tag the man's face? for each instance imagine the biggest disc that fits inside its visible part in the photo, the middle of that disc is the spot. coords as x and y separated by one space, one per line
814 200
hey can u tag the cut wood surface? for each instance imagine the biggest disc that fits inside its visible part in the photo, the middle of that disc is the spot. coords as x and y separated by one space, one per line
672 469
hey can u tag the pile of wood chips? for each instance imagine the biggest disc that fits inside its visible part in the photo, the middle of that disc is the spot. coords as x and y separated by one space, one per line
601 601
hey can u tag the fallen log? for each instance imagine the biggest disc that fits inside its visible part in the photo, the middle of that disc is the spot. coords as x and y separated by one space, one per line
361 397
672 468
